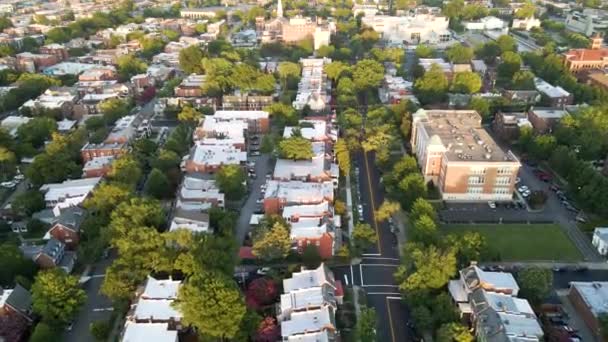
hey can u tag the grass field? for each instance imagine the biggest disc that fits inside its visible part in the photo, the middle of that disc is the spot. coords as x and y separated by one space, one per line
523 242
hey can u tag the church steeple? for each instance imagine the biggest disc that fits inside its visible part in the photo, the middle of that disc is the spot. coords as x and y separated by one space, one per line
280 9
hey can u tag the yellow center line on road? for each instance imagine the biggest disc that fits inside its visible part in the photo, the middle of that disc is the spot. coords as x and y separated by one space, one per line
373 209
390 318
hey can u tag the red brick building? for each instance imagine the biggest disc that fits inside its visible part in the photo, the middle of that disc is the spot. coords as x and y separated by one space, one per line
67 227
57 50
90 151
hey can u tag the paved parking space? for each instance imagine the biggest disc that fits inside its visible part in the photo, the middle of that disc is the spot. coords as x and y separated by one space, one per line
481 212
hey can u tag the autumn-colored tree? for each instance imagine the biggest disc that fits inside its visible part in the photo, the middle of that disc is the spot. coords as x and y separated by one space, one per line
387 209
57 296
260 292
273 244
268 331
343 156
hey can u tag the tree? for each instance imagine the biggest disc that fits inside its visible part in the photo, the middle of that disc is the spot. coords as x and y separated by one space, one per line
542 146
386 210
36 131
432 87
107 197
311 256
363 237
459 54
412 186
261 292
335 70
100 330
535 284
189 115
603 324
470 246
13 264
422 317
489 51
466 82
28 202
44 333
523 80
367 74
287 70
56 296
422 207
114 109
268 330
424 51
231 181
284 114
424 230
166 160
482 106
295 148
211 303
157 185
511 63
526 11
430 268
506 43
343 156
129 65
454 332
274 243
125 170
366 325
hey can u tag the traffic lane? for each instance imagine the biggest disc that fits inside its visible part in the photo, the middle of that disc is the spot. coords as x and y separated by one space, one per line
374 275
371 195
391 317
97 307
349 275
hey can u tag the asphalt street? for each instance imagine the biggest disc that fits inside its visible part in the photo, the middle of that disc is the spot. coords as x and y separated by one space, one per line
379 263
97 306
262 166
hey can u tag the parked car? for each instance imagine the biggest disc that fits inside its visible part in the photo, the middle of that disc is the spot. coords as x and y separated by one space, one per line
263 270
492 204
255 153
360 211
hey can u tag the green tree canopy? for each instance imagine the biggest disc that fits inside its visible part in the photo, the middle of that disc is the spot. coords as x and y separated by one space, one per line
189 115
424 51
28 202
274 243
114 109
523 80
13 264
466 82
213 304
336 69
295 148
36 131
459 54
56 296
231 181
424 230
125 170
366 325
426 268
363 237
157 185
432 87
367 74
190 60
535 284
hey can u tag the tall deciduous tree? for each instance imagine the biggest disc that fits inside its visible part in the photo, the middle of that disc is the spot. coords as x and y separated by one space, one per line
231 179
125 170
454 332
295 148
114 109
212 304
157 185
363 237
412 187
190 60
343 156
424 230
427 268
14 264
335 70
535 283
387 209
466 82
459 54
56 296
367 74
432 87
422 207
287 70
189 115
273 244
366 325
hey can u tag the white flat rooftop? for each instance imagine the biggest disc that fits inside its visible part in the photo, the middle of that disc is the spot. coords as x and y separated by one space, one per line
148 332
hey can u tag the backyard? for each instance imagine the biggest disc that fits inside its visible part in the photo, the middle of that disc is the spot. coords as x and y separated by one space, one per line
522 242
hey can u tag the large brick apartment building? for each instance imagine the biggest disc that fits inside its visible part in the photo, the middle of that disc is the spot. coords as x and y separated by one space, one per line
460 157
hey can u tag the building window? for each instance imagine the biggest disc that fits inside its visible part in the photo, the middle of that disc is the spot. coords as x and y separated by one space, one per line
478 170
501 191
474 190
503 180
504 171
476 180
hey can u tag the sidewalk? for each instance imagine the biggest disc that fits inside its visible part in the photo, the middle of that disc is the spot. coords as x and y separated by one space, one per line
351 227
600 266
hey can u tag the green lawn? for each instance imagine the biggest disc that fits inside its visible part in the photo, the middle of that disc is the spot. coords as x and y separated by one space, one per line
523 242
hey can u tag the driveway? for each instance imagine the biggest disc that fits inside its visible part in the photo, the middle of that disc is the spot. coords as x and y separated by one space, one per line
262 166
97 306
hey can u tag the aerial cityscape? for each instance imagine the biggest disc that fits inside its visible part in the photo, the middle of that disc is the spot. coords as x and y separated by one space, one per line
303 170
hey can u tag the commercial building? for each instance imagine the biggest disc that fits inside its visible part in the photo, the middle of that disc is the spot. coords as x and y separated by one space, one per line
460 157
590 300
588 22
555 96
414 28
596 57
314 89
